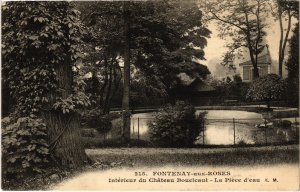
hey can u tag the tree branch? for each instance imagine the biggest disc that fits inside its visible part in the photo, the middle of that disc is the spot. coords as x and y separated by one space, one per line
228 22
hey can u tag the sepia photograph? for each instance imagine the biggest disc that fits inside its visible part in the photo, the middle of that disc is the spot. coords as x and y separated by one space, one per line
180 95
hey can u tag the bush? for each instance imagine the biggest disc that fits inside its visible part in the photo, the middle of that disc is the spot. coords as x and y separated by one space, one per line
88 132
96 119
282 123
24 147
241 143
117 126
176 126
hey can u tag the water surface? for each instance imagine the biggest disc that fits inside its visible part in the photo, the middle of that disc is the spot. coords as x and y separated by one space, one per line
223 127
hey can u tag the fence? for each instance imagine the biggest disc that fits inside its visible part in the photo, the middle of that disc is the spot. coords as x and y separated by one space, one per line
139 128
235 131
255 131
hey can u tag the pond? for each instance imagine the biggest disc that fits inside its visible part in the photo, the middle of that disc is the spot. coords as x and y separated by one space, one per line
225 127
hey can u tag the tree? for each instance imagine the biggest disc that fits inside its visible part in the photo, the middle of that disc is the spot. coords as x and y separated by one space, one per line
293 68
112 40
175 45
284 10
40 47
244 22
267 88
103 82
229 87
164 39
144 93
103 46
126 88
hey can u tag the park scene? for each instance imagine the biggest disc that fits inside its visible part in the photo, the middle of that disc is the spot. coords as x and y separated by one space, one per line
90 88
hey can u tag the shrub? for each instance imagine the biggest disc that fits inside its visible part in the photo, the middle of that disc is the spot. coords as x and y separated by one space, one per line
282 123
88 132
24 147
104 123
96 119
117 125
176 126
241 143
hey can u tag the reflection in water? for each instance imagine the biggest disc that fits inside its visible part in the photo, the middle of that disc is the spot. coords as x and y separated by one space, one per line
229 114
220 126
222 133
139 125
219 133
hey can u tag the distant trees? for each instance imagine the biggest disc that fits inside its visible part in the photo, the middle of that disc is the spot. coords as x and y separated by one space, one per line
164 38
143 92
229 87
284 11
267 88
242 21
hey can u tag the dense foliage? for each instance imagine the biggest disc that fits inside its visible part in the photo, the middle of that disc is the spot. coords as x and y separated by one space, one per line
39 51
31 51
229 87
24 147
97 119
166 38
267 88
175 42
176 126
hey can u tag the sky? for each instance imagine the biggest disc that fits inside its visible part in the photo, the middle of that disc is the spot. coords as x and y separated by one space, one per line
216 48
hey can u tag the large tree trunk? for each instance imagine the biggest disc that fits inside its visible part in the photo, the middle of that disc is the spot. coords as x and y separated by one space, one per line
64 136
126 91
63 129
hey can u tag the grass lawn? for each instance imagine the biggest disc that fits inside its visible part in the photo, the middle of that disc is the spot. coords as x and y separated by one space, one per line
280 162
197 156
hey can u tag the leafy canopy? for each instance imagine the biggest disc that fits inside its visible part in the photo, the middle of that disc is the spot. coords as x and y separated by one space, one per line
37 37
242 23
166 37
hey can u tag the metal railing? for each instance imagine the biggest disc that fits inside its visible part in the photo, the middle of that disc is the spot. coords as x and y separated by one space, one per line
234 131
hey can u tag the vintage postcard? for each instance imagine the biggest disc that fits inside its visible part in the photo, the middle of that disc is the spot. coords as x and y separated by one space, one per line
191 95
